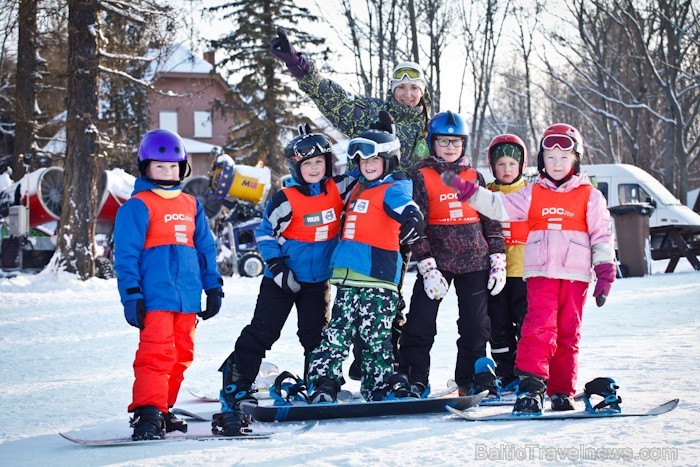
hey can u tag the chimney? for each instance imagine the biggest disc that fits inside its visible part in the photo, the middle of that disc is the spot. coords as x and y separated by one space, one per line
209 57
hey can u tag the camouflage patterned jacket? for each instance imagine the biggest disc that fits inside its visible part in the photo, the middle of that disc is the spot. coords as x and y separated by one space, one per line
460 248
353 114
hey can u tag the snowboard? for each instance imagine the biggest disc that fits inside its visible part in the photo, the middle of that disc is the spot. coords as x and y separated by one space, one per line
264 393
198 432
325 411
569 415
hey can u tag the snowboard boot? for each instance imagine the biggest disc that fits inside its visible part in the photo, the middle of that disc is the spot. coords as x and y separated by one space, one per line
232 421
400 388
485 382
605 388
530 396
324 390
172 423
147 423
561 402
355 372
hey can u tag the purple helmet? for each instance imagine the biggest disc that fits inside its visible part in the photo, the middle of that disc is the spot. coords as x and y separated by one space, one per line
163 146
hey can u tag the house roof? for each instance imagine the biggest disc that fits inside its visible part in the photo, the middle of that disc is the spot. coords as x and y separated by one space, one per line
176 59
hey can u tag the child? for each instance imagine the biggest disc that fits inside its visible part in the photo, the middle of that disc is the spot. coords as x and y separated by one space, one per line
164 257
298 233
367 264
507 157
570 233
461 246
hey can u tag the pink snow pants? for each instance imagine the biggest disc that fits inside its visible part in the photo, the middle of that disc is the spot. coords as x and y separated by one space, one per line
166 350
551 332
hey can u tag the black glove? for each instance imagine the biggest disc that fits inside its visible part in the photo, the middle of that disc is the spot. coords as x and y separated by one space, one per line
135 312
283 276
412 228
214 297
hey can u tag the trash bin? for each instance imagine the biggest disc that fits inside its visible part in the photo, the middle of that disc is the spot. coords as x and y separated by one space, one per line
633 239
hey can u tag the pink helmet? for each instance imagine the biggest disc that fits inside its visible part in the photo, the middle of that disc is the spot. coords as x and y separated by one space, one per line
507 145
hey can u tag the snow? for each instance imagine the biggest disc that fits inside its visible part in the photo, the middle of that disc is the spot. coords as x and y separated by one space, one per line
67 355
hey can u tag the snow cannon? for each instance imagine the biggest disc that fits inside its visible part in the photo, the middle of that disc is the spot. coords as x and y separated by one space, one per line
114 187
242 182
40 190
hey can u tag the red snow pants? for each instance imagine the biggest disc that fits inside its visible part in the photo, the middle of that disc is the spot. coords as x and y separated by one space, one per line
548 347
166 350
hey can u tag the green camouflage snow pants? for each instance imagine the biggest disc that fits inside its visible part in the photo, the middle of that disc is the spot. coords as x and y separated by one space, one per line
369 311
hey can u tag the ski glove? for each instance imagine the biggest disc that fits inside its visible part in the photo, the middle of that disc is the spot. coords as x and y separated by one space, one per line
412 228
605 273
295 61
434 282
497 277
465 189
214 297
283 276
135 312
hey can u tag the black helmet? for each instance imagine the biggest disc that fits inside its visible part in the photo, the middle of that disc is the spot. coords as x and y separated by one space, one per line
305 146
376 143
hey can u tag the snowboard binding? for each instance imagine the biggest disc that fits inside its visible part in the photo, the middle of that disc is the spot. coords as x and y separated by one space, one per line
606 388
288 389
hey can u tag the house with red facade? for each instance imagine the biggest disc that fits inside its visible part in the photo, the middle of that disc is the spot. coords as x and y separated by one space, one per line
184 103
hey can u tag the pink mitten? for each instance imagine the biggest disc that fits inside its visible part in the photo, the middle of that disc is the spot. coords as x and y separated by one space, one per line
605 273
465 189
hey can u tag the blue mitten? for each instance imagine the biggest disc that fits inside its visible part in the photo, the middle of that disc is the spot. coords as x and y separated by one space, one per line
135 312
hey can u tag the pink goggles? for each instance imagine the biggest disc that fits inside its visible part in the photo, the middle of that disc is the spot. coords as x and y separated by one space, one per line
564 142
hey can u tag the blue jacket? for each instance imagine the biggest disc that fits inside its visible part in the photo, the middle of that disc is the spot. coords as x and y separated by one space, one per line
378 263
310 261
169 276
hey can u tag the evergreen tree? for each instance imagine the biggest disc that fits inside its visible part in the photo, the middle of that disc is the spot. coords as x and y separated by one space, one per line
265 87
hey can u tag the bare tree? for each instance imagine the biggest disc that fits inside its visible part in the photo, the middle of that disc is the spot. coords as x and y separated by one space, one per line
25 95
632 79
482 32
76 237
438 16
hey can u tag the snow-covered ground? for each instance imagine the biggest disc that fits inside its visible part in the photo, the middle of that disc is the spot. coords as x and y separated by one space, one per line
66 364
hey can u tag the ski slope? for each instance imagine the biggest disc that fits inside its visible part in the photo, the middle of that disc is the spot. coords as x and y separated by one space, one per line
67 354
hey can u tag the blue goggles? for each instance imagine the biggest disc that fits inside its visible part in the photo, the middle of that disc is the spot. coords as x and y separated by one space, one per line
366 148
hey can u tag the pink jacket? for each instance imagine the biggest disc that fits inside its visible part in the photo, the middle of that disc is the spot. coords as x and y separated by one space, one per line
555 254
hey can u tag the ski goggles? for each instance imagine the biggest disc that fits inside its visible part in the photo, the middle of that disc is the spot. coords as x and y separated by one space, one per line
407 72
507 150
563 142
310 146
366 148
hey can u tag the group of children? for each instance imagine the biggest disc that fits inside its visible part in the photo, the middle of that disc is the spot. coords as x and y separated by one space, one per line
520 257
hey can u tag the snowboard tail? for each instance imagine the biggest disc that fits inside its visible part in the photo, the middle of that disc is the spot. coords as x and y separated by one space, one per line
569 415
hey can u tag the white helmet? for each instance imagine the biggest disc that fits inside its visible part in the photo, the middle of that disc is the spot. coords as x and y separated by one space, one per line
408 72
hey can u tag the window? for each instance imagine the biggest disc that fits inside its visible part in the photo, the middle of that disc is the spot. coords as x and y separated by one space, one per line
631 193
168 120
202 124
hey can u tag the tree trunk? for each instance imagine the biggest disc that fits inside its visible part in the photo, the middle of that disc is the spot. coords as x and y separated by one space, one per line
77 232
25 93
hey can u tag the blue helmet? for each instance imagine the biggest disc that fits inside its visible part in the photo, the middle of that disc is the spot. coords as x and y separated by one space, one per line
448 124
163 146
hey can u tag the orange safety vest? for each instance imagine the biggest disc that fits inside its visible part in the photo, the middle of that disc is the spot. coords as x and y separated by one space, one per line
314 218
552 210
172 221
367 223
443 206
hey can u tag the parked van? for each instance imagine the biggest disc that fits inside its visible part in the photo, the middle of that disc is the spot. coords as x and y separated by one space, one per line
627 184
